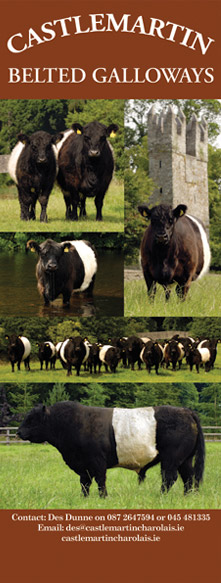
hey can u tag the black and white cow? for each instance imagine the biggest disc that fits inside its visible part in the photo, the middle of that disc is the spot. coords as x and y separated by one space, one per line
86 166
73 353
173 352
64 268
211 345
174 249
152 355
93 439
19 349
47 353
109 356
33 167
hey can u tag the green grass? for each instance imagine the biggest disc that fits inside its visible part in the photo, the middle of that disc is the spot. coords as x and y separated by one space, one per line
113 213
203 299
35 476
121 375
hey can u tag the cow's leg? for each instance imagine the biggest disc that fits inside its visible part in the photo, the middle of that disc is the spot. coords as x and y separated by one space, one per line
19 365
169 476
100 478
151 285
24 211
69 371
99 203
85 481
66 297
78 366
32 216
167 292
83 206
41 363
139 362
13 366
26 361
43 199
186 472
67 201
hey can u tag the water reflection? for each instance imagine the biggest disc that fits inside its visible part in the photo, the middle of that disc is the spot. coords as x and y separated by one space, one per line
19 295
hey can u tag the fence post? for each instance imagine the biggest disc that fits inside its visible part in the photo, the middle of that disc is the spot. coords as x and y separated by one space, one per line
7 436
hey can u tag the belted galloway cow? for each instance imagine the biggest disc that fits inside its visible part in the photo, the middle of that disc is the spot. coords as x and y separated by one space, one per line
64 268
86 166
174 249
19 349
33 167
93 439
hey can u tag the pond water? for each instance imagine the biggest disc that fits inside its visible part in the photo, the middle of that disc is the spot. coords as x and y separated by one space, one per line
19 295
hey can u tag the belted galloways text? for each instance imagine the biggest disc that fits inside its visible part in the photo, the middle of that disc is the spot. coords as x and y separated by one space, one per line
102 75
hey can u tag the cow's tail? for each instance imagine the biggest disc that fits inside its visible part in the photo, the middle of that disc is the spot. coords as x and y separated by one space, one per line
199 453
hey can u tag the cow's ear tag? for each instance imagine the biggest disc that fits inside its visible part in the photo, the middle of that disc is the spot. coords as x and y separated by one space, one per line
32 249
66 249
78 131
144 213
32 189
113 134
181 213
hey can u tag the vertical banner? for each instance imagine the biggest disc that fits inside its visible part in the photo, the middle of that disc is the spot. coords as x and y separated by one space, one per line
114 50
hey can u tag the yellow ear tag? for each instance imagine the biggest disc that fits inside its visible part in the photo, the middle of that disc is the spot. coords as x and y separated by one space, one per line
66 249
113 134
181 213
32 249
78 131
144 213
32 189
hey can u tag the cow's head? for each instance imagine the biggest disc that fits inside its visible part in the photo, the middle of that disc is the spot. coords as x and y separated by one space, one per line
40 145
163 219
50 253
94 136
33 428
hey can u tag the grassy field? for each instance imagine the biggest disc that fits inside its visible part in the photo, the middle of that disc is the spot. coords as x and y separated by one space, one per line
204 299
35 476
121 375
113 213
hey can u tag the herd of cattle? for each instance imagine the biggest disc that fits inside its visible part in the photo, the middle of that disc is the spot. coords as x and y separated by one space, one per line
81 160
76 352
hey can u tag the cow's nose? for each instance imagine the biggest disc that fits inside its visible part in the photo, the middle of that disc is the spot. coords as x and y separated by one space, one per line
41 159
94 153
51 266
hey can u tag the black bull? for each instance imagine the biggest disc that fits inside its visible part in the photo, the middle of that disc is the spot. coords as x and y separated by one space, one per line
93 439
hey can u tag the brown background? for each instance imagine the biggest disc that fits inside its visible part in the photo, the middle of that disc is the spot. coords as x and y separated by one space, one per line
109 50
26 555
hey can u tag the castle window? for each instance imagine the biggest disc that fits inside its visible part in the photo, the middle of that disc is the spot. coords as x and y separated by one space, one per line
161 191
160 164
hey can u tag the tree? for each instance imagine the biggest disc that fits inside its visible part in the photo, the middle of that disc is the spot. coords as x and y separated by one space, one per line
24 397
57 393
210 404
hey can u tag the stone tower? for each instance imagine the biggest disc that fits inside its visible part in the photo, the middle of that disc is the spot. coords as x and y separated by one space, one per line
178 156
